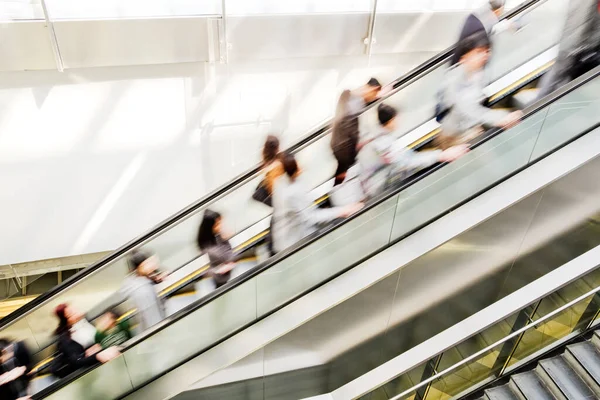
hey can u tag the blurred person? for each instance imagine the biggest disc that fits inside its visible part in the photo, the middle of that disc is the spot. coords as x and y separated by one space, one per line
382 162
15 367
580 39
213 242
272 168
71 354
139 287
462 114
110 331
345 136
485 20
295 214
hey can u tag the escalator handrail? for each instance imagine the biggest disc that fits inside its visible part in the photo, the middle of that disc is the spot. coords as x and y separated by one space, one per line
529 111
176 218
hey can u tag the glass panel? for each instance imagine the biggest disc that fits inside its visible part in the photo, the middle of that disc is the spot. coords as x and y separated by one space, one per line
193 333
93 9
324 258
85 295
476 371
404 382
108 381
571 320
467 176
568 117
269 7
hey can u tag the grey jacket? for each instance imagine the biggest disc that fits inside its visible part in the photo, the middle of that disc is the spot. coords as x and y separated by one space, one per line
141 291
294 214
463 95
582 25
381 161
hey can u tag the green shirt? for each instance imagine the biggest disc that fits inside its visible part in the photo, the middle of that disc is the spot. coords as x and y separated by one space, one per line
115 336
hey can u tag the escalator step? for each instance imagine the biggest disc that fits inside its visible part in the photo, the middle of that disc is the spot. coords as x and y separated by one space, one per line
530 386
500 393
585 359
562 379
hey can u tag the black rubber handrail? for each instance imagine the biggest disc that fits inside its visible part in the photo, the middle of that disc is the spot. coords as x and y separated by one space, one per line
533 109
398 84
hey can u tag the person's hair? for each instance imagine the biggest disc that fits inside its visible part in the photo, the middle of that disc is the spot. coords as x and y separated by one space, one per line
386 113
136 258
477 40
206 237
63 323
373 82
290 166
496 4
271 149
4 343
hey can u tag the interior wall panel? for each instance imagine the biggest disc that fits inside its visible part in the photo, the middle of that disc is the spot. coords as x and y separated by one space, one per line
268 36
25 46
132 41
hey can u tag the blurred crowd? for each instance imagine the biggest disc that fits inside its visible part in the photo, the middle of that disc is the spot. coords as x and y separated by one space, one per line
372 153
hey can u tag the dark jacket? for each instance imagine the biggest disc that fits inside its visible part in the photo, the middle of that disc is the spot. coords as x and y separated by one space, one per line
21 358
344 139
71 357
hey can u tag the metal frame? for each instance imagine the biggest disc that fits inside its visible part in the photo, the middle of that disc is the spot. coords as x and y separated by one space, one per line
53 40
370 40
223 41
513 335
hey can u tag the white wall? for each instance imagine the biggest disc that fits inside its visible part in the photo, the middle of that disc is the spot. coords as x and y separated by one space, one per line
91 158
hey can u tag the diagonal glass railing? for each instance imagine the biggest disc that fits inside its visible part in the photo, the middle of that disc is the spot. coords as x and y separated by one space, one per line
173 241
495 342
549 125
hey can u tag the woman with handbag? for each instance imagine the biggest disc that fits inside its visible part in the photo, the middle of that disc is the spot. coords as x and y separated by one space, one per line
273 169
220 253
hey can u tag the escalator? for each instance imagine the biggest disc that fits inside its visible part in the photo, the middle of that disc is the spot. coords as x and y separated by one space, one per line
327 252
553 128
331 358
541 342
171 240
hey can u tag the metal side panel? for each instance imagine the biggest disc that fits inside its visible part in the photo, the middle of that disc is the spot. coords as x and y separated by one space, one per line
563 381
529 386
500 393
584 357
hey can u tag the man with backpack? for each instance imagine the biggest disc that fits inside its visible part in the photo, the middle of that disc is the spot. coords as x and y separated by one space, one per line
460 106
